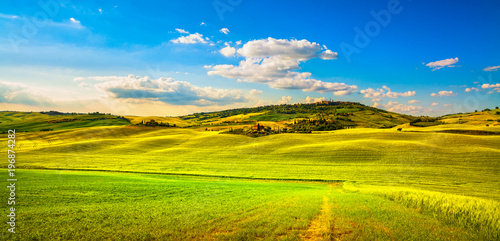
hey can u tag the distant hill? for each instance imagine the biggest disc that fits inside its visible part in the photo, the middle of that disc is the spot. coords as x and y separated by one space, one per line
352 114
321 116
53 120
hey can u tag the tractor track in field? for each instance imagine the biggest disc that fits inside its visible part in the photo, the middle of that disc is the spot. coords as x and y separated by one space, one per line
322 227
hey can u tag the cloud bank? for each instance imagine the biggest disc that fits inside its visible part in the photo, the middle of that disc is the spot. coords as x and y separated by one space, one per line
275 62
169 91
442 63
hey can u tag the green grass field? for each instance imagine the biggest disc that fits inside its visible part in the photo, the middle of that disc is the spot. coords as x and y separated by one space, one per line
71 205
34 121
142 183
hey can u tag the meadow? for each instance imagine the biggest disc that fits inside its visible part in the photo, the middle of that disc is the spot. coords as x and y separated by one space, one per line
82 205
126 182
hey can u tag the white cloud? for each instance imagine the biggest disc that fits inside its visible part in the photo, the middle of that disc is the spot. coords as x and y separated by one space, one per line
190 39
273 61
471 89
285 100
397 107
74 20
328 54
238 42
434 104
167 90
310 100
375 105
348 91
203 24
224 30
376 100
84 85
181 30
381 93
255 92
19 93
413 102
228 51
447 105
486 86
443 93
495 87
77 79
442 63
100 10
492 68
300 50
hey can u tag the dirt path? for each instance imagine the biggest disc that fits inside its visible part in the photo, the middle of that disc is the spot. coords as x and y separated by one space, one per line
322 224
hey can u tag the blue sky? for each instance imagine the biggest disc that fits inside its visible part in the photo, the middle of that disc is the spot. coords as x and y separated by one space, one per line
171 58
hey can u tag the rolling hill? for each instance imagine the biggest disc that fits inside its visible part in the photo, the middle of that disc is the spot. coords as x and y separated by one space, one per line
378 176
321 116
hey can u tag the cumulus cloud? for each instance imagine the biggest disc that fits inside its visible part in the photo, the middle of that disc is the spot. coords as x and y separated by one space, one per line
190 39
471 89
255 92
274 62
19 93
384 92
486 86
492 68
442 63
413 102
285 100
376 105
495 87
434 104
397 107
224 30
328 54
228 51
443 93
167 90
203 24
287 49
310 100
181 30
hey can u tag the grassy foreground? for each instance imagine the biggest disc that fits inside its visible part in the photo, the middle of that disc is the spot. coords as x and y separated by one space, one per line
144 183
74 205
